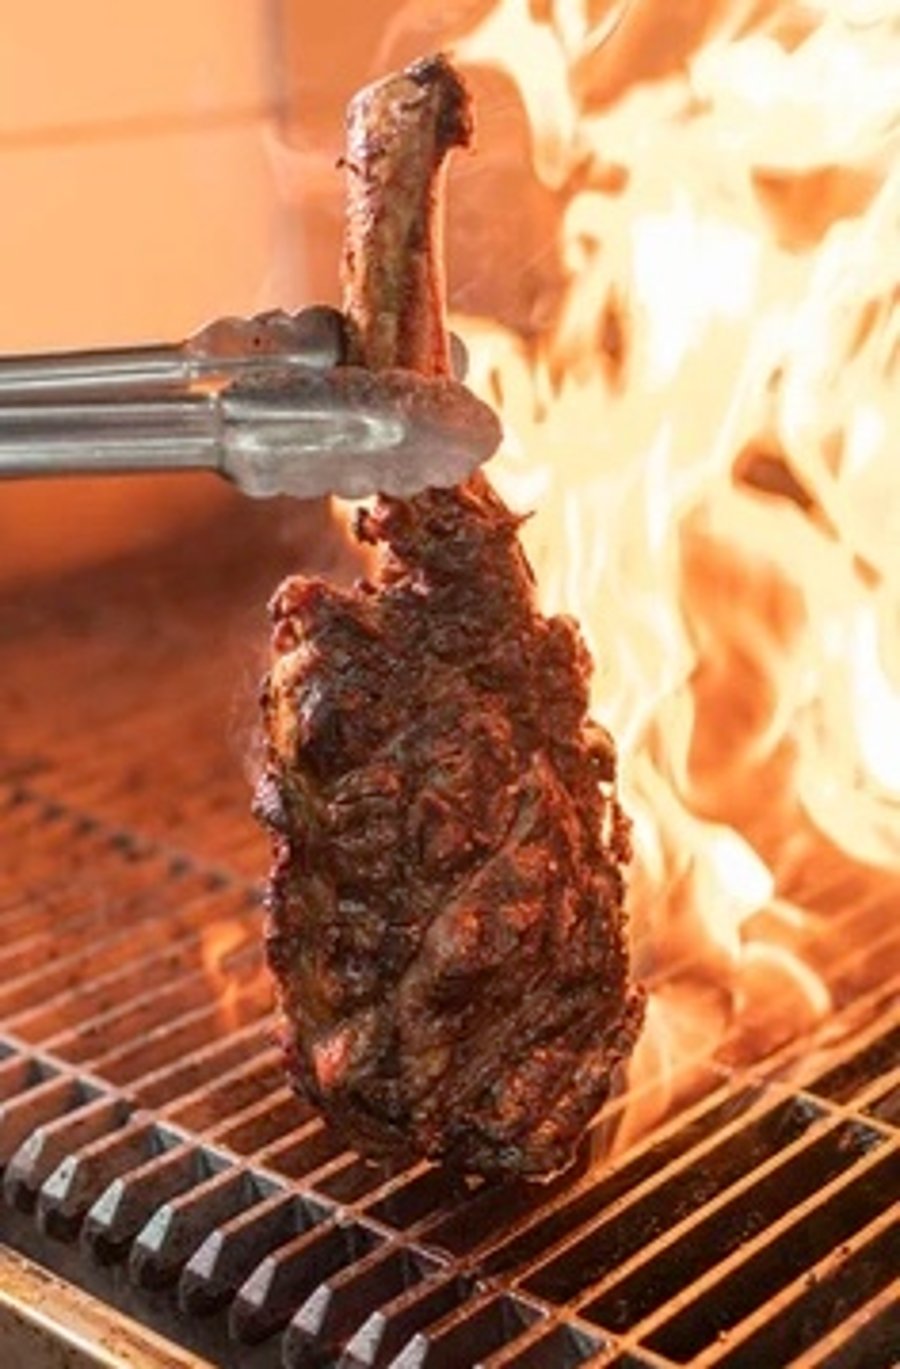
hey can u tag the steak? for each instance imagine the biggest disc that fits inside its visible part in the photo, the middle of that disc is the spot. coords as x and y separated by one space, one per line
446 918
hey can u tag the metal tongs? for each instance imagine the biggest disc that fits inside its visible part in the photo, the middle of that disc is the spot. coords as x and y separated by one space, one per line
265 402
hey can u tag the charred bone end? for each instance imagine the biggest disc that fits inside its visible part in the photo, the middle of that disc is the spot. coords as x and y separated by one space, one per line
399 132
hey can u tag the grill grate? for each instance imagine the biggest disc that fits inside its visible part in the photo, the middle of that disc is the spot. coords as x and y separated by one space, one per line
152 1154
147 1140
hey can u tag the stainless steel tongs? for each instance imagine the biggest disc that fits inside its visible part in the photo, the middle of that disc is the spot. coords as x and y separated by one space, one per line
264 401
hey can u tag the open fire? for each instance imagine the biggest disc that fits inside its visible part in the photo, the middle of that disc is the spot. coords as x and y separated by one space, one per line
704 430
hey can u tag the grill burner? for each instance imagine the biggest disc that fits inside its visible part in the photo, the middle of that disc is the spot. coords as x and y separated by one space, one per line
152 1155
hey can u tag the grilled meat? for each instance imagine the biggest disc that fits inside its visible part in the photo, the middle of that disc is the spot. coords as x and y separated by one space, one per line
446 920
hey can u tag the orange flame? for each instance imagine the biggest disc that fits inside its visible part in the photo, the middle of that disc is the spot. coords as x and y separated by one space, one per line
228 956
705 433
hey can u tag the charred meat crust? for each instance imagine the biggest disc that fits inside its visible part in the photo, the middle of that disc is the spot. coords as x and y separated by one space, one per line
399 132
446 919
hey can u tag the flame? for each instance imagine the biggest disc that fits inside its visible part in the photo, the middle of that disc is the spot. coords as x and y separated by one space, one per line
705 432
230 963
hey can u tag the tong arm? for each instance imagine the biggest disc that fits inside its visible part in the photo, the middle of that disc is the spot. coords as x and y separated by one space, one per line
264 402
223 350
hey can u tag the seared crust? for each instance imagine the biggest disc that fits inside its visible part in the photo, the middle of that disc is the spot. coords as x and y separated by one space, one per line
446 904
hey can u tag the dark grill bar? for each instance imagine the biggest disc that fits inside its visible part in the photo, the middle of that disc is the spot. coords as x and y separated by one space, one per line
153 1156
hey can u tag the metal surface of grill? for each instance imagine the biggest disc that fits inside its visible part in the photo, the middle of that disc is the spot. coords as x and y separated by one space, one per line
153 1155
